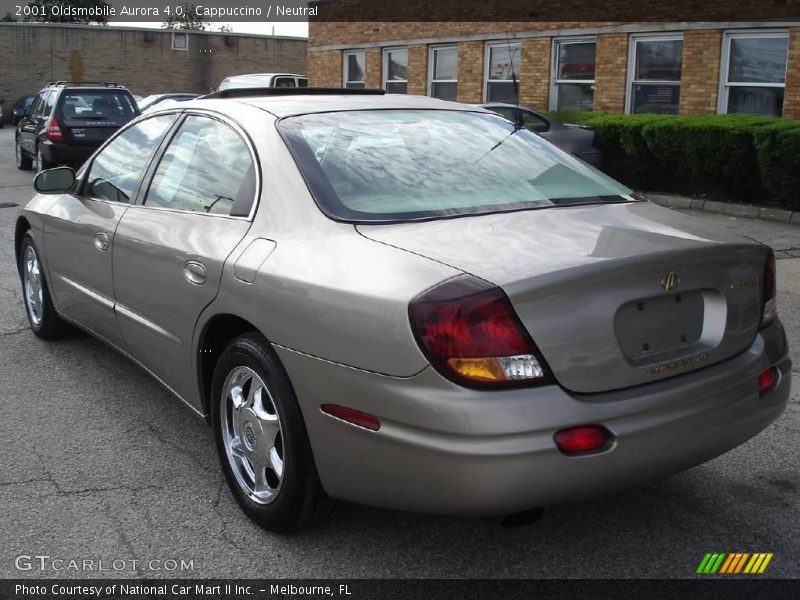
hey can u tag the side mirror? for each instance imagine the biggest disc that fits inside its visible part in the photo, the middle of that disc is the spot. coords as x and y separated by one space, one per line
54 181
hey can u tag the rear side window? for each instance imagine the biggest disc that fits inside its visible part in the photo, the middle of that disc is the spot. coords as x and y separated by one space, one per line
115 172
284 82
97 105
207 168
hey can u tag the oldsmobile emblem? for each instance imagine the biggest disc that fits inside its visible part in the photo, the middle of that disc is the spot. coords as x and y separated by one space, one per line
670 281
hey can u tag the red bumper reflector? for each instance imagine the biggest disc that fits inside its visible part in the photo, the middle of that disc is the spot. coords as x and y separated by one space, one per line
766 381
352 416
586 438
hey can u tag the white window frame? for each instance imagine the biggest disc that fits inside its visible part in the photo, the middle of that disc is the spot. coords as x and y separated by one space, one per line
185 36
431 63
345 74
486 65
632 42
385 74
724 64
554 83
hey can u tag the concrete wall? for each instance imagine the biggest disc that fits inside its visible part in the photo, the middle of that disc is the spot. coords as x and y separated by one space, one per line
141 59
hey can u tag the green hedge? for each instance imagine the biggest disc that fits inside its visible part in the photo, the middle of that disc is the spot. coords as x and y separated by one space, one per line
741 158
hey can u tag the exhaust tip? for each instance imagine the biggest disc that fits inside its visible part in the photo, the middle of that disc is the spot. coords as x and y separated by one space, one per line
526 517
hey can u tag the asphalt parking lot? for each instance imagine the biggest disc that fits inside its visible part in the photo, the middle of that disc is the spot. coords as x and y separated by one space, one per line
98 462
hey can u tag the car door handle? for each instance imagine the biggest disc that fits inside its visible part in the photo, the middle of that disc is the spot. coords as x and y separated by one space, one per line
101 241
194 272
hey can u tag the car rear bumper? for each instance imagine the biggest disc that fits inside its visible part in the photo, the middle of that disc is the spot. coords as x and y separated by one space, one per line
446 449
62 154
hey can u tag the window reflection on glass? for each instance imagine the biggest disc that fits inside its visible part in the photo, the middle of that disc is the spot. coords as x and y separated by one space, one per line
659 60
396 67
115 172
655 98
576 60
354 70
758 60
206 168
756 100
445 63
503 64
575 96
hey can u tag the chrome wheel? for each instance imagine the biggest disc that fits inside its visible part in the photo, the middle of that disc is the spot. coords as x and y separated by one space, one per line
32 283
252 435
39 160
18 153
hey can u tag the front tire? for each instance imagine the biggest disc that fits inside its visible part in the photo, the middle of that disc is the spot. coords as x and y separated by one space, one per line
42 316
261 439
24 162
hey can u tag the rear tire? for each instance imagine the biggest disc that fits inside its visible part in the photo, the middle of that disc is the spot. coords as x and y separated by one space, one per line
24 162
42 317
262 441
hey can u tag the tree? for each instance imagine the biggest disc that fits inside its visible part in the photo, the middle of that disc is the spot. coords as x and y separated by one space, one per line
45 12
184 16
8 19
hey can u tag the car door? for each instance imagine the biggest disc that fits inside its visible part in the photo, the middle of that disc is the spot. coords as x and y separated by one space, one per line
79 229
170 248
27 128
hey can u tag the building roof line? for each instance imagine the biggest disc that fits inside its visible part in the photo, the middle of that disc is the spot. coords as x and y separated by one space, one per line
563 32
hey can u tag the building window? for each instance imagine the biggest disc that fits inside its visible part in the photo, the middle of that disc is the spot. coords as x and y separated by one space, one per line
654 74
354 68
395 70
502 63
443 72
753 73
180 40
573 74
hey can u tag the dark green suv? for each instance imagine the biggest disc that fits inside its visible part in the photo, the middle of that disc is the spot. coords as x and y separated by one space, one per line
69 120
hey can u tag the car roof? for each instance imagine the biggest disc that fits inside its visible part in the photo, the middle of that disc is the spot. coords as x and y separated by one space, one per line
299 104
254 75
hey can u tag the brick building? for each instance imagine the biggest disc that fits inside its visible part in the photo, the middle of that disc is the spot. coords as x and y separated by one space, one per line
147 61
696 67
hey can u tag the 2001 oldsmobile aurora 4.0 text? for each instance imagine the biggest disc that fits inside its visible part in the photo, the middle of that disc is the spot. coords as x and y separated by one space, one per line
405 302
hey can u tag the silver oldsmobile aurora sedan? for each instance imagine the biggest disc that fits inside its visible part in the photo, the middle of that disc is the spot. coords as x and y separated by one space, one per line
405 302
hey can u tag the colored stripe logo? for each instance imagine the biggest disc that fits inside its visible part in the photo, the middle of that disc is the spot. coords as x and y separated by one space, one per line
733 563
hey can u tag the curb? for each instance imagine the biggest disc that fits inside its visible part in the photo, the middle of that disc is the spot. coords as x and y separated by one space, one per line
746 211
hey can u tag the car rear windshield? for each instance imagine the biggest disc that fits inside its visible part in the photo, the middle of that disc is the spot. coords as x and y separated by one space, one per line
97 105
400 165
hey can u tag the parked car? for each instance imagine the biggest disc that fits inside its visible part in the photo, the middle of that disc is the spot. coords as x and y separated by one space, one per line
575 139
2 114
69 120
263 80
20 107
154 99
405 302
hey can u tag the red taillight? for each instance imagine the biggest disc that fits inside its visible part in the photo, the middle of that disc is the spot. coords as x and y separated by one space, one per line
577 440
352 416
770 309
54 131
767 380
469 332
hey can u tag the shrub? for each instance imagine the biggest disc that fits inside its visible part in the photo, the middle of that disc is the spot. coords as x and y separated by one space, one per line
731 157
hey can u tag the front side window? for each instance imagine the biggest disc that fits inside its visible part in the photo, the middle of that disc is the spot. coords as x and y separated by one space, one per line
115 172
754 73
395 70
502 65
354 68
399 165
443 66
655 82
207 168
573 78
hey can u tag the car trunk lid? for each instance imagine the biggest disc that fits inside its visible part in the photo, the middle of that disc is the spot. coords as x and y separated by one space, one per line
613 295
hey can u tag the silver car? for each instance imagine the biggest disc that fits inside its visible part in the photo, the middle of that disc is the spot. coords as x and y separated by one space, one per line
405 302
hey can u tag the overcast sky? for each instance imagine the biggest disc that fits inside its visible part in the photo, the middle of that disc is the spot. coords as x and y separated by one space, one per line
299 29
